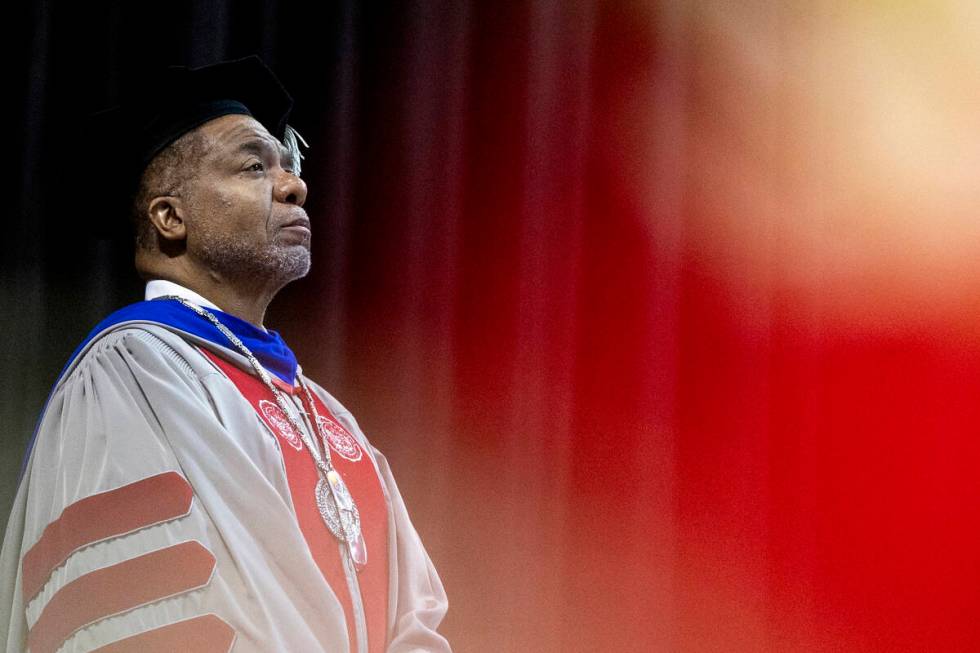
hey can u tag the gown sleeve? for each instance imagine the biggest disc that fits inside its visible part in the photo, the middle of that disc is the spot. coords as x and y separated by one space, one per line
107 545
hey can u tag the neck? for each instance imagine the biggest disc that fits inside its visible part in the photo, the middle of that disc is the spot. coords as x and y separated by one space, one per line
248 307
241 285
246 299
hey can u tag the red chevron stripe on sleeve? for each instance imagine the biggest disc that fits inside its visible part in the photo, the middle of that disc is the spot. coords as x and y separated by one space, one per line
118 588
101 516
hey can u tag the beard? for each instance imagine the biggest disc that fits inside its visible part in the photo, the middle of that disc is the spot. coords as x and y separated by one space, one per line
237 257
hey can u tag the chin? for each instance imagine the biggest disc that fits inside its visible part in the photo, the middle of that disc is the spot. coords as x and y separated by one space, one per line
296 264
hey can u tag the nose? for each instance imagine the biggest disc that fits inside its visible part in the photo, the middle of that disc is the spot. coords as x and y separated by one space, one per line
290 189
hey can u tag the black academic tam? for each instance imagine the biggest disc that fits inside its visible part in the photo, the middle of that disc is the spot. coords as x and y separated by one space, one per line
121 140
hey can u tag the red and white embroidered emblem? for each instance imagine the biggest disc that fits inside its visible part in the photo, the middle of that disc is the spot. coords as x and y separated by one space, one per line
273 413
339 439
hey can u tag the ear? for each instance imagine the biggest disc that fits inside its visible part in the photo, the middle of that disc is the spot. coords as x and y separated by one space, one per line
166 214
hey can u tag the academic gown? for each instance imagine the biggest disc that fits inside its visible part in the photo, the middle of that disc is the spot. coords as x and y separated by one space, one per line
155 511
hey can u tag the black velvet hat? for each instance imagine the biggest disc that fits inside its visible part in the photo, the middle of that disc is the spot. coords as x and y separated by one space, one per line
164 105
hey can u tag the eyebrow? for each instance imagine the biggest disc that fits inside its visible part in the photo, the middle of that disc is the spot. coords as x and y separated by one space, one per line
259 145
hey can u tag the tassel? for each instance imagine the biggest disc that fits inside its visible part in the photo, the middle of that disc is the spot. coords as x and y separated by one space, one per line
292 139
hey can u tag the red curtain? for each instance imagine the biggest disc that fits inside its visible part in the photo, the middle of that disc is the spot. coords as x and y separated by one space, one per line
661 362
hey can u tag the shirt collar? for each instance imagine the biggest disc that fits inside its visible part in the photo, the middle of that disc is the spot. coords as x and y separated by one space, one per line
160 287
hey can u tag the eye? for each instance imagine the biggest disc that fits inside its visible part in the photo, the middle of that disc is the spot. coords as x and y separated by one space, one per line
253 166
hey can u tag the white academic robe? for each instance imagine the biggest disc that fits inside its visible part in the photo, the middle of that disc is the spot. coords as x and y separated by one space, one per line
141 401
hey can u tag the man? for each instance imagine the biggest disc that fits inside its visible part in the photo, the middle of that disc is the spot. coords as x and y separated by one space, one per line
188 488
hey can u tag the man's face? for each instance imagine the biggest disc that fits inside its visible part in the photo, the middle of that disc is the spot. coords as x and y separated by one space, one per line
245 220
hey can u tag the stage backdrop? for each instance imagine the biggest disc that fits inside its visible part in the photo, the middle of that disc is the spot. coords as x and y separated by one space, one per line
666 313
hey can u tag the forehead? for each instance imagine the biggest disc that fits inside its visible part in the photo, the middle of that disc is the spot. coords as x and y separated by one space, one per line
226 134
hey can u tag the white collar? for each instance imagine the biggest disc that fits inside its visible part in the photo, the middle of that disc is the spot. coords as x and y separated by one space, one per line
160 287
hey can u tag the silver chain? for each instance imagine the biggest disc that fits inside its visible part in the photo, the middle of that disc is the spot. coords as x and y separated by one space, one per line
323 462
333 499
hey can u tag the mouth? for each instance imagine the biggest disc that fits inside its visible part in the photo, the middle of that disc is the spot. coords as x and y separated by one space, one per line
299 224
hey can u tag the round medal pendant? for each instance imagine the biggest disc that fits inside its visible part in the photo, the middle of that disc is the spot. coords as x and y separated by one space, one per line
337 508
328 509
